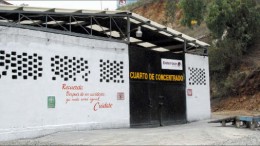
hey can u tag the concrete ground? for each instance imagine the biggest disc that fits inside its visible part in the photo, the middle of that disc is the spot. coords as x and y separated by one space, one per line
196 133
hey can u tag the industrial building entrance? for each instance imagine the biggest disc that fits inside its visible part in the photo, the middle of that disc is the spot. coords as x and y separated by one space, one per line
157 88
95 68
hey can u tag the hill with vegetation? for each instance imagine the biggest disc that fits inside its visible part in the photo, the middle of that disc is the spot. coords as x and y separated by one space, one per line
232 29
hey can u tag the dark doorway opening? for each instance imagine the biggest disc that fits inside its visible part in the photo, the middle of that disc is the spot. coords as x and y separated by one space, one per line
157 96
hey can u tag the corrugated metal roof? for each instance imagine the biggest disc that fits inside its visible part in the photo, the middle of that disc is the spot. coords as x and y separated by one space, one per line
57 10
171 31
156 34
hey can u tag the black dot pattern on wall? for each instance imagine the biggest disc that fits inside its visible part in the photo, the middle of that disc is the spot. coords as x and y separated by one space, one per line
197 76
69 68
111 71
23 65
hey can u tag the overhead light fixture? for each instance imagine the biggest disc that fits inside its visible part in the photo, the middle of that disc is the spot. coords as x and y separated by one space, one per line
139 33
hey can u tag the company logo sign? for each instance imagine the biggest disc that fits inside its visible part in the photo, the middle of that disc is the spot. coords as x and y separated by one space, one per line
171 64
122 3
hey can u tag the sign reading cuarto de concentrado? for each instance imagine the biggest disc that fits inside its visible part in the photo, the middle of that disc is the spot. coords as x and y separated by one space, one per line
156 77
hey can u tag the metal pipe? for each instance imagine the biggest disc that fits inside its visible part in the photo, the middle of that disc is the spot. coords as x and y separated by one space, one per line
128 29
91 30
185 46
70 24
110 26
60 13
46 20
19 18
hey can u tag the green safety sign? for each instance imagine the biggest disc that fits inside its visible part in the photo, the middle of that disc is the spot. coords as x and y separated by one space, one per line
51 101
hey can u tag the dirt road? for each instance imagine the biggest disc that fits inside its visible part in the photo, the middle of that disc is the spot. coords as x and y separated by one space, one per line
195 133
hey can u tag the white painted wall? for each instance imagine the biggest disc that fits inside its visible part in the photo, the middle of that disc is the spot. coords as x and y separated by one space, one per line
23 102
197 81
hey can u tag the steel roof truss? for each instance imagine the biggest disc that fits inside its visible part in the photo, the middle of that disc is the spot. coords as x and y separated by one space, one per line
78 24
100 26
34 22
56 23
120 30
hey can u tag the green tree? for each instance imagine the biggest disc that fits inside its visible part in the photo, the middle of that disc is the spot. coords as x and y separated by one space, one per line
170 8
234 25
193 11
235 20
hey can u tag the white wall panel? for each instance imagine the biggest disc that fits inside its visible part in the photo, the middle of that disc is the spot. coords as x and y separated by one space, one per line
197 87
39 64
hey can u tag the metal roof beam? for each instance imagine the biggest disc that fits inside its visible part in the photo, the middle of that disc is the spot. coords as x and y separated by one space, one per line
137 42
102 12
99 25
80 25
170 47
59 24
149 26
158 28
50 12
177 50
79 11
157 41
34 22
3 18
113 20
19 9
163 30
144 23
60 32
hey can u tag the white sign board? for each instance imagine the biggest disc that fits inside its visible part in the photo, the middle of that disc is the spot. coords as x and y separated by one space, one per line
171 64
